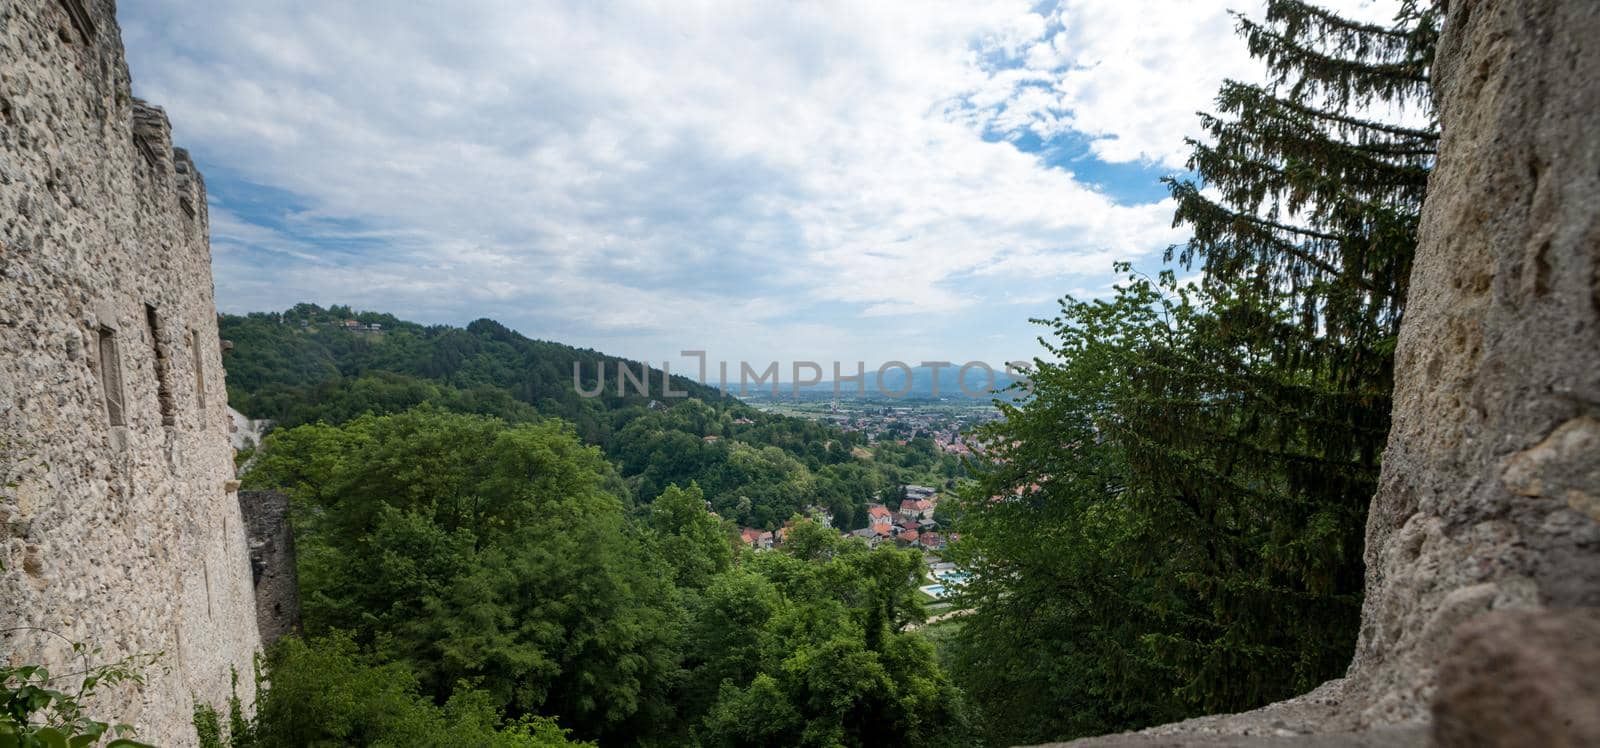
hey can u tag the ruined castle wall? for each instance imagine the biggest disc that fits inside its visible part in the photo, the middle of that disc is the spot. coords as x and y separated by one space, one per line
122 531
1490 492
272 562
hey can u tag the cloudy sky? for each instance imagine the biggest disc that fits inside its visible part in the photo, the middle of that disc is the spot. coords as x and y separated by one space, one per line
820 180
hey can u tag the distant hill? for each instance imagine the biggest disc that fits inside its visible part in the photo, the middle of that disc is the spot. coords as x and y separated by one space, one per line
309 363
948 379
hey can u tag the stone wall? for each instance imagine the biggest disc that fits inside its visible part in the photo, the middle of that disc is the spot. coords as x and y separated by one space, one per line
272 562
1490 492
122 530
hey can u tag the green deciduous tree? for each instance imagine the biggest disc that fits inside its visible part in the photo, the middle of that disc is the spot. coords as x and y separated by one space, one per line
325 692
695 543
470 549
813 648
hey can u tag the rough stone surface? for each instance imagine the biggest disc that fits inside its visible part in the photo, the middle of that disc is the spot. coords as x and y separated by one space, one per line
272 563
1406 736
125 537
245 432
1515 678
1491 483
1311 720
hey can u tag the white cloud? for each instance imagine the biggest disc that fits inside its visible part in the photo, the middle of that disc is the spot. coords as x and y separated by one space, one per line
1130 75
803 174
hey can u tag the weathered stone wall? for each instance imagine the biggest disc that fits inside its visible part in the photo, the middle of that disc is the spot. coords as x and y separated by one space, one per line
272 562
1514 678
1490 492
122 531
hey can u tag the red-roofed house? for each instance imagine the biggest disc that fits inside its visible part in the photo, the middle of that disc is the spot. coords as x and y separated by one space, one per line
916 509
758 539
878 514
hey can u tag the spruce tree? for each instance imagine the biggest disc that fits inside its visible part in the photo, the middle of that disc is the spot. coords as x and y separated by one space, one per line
1211 451
1304 218
1256 438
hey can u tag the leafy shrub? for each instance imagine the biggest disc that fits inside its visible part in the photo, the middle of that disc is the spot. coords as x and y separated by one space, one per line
34 714
325 692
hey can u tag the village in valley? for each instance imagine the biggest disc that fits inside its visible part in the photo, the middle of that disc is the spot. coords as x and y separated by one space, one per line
944 420
904 518
910 524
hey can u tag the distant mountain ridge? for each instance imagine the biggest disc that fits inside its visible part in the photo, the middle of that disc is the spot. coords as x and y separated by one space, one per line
943 381
311 363
926 382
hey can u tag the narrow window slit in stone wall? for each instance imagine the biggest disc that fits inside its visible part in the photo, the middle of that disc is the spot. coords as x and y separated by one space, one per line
199 369
111 378
80 18
169 411
148 151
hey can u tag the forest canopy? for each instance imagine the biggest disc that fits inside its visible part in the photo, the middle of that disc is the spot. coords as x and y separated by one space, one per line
484 561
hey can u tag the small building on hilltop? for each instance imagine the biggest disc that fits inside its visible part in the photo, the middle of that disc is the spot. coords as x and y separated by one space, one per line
120 528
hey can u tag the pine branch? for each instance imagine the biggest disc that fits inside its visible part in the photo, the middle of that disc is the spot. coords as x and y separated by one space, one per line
1303 13
1267 43
1336 77
1289 140
1235 95
1208 217
1247 182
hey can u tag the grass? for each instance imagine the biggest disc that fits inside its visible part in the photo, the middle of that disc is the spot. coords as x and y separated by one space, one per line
941 634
